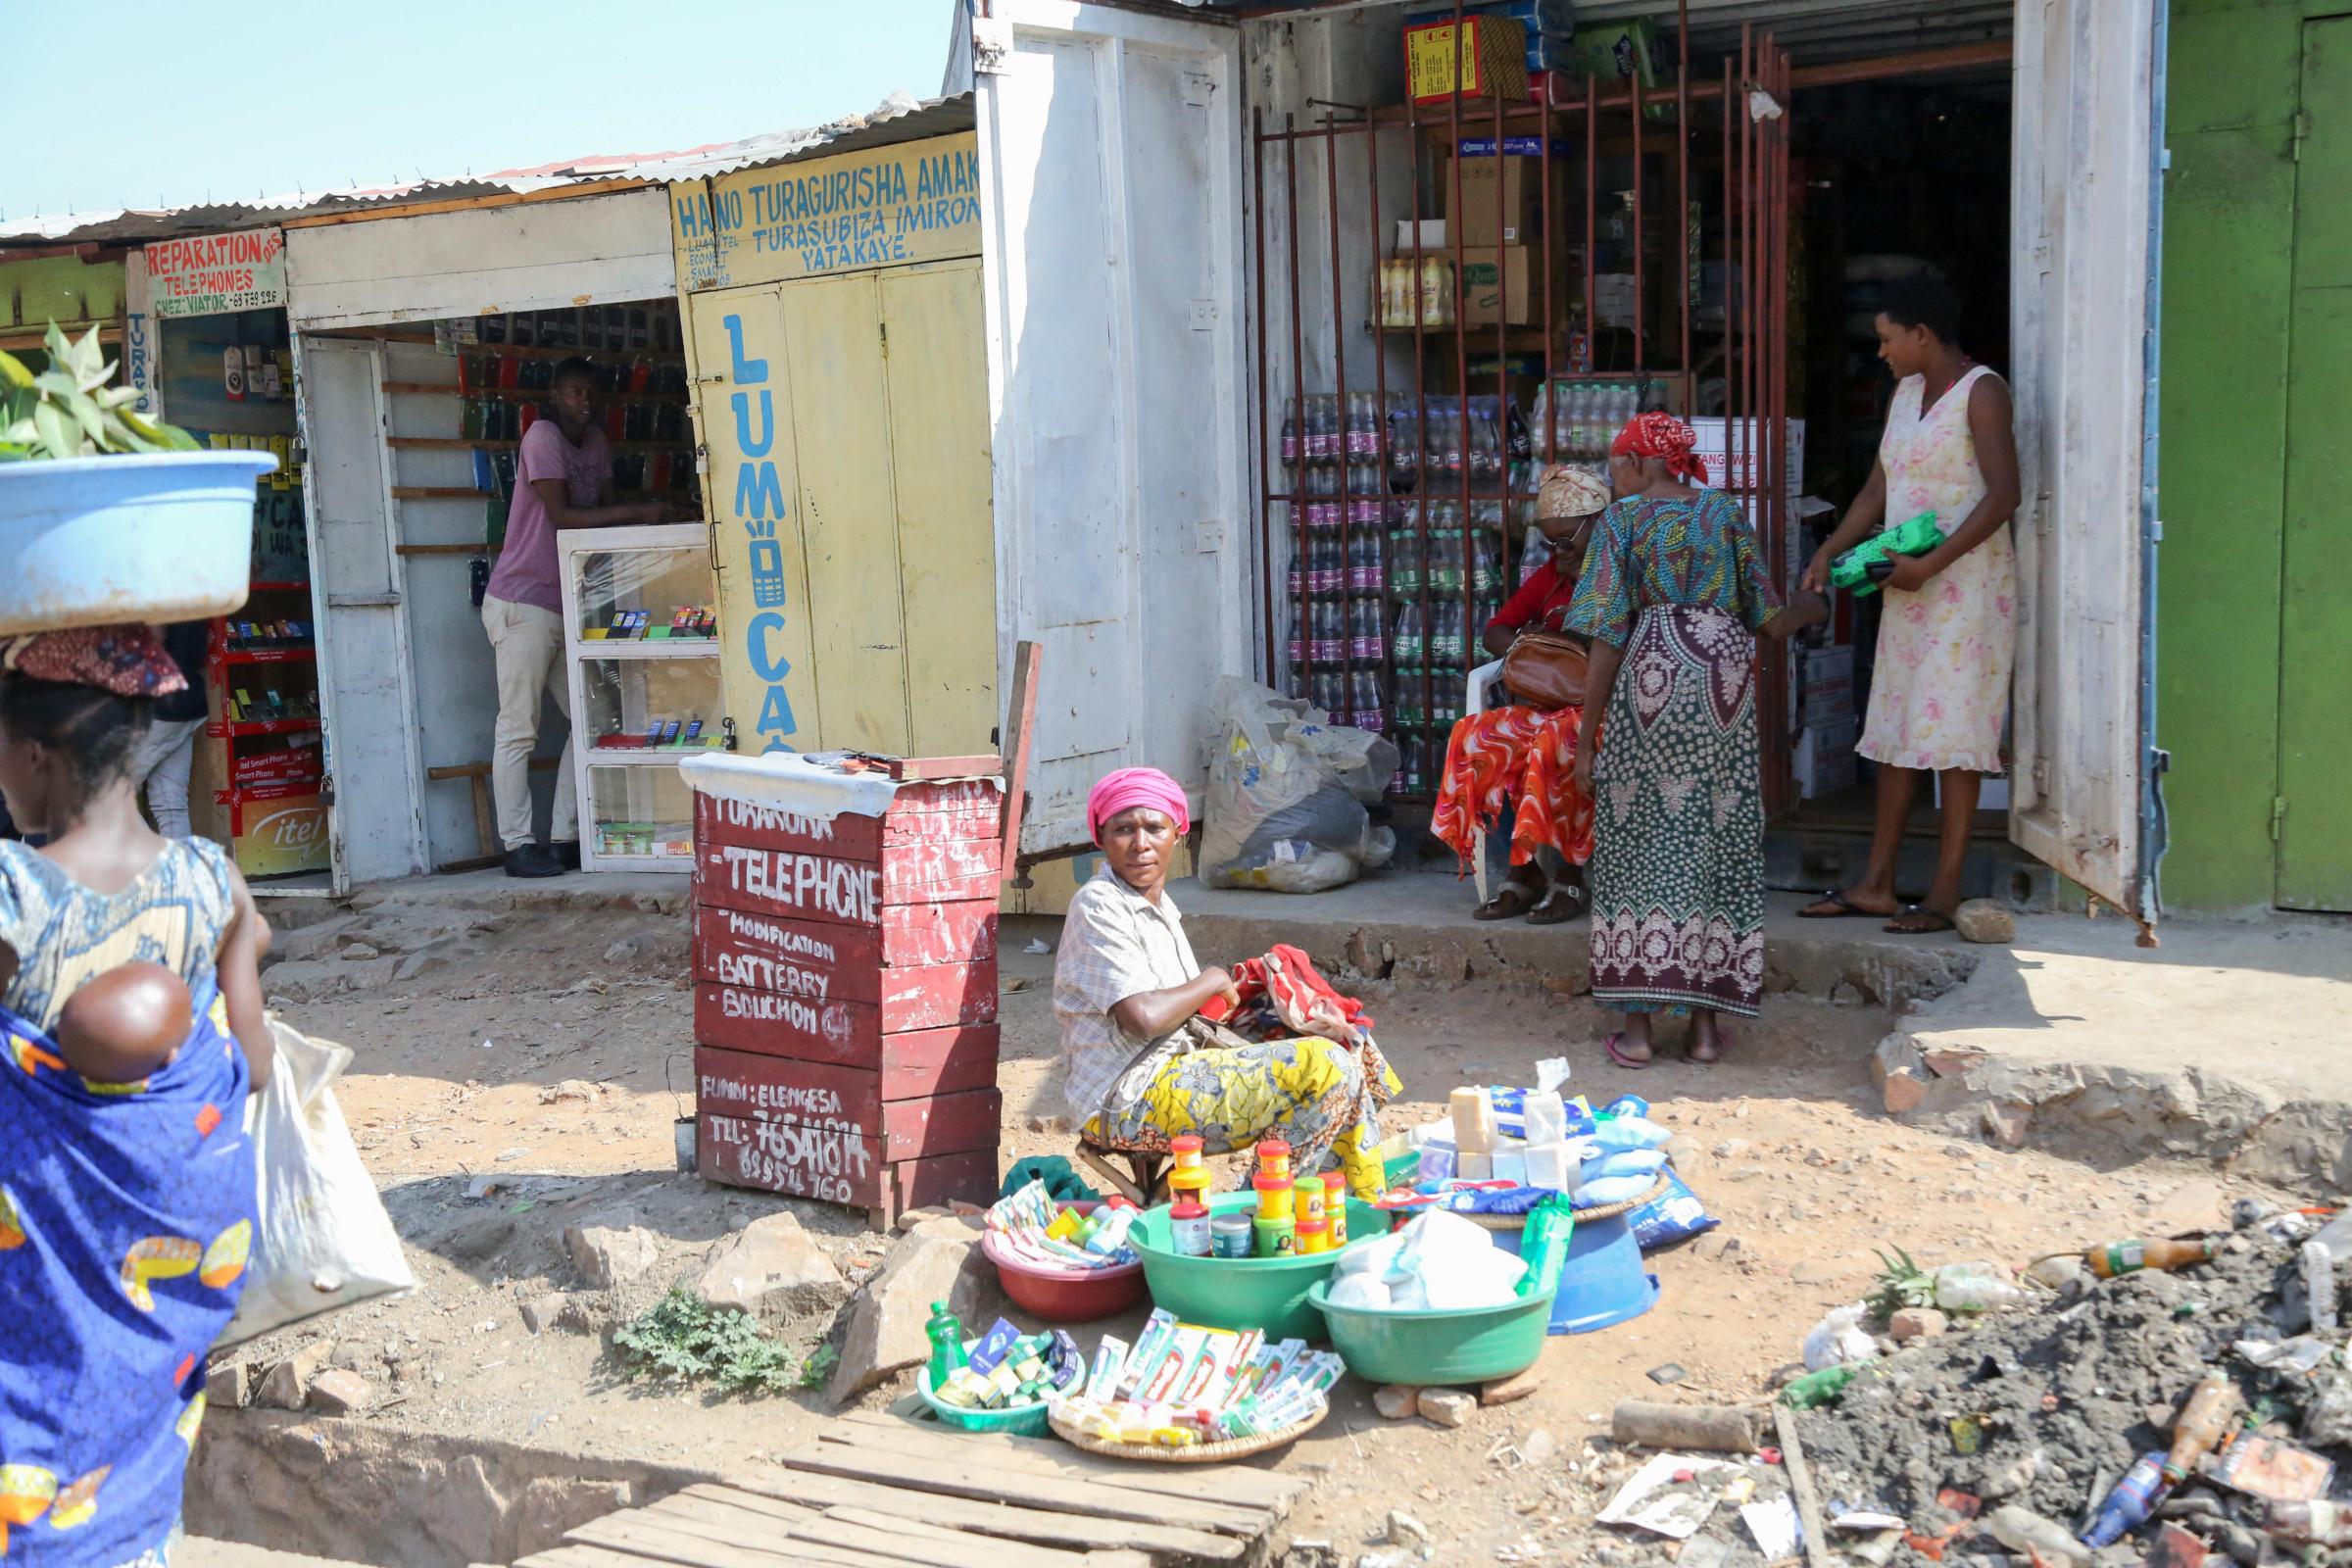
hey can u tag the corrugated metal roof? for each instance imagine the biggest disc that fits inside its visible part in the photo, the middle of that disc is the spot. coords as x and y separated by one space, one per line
899 117
1812 31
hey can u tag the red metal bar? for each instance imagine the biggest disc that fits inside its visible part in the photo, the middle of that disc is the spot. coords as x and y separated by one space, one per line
1306 647
1592 191
1502 421
1634 98
1339 377
1267 452
1461 297
1750 280
1681 196
1731 254
1379 428
1547 220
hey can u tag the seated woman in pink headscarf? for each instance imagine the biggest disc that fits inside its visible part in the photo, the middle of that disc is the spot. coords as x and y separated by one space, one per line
1140 1064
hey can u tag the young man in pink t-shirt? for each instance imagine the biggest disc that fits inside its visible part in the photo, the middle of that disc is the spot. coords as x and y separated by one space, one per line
563 479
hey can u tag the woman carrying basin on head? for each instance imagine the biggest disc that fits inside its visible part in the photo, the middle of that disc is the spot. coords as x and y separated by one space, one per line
131 1007
1139 1065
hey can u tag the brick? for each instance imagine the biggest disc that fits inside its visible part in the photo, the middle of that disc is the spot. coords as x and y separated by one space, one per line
848 1032
837 889
911 1066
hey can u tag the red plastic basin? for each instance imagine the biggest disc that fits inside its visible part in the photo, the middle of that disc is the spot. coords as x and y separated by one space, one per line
1067 1296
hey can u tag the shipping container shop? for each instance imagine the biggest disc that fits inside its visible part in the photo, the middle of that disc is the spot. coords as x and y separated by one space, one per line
1381 261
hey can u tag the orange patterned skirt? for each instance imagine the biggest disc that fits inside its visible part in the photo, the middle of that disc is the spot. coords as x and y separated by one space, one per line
1515 753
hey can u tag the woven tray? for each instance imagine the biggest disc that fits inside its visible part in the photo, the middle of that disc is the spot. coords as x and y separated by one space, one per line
1518 1222
1225 1452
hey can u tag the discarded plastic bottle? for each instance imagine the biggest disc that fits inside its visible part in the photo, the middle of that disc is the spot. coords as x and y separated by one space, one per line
2130 1504
2028 1533
947 1344
2212 1406
2130 1257
2311 1524
1817 1389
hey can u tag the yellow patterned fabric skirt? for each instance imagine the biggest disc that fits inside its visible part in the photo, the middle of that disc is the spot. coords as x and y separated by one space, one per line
1313 1094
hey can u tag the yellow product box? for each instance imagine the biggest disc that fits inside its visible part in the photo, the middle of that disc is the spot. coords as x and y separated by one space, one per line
1488 61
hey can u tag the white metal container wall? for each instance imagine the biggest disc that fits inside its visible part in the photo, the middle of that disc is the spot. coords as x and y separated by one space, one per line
2080 278
541 255
1110 147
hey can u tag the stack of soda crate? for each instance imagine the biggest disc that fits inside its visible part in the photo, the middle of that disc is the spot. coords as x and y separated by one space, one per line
844 966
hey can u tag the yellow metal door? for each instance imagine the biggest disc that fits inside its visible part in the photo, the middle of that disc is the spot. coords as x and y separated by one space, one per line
742 401
939 464
843 423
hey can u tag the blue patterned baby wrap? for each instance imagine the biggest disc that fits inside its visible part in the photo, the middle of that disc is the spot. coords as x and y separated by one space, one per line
126 1215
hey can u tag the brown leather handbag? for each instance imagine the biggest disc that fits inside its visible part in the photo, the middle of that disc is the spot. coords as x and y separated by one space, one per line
1545 670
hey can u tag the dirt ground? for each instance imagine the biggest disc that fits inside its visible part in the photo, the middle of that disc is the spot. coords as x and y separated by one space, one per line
518 1072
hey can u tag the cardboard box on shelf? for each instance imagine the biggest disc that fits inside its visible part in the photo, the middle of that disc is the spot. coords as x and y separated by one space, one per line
1489 60
1550 27
1497 293
1502 196
1825 686
1736 470
1824 761
1420 234
1613 302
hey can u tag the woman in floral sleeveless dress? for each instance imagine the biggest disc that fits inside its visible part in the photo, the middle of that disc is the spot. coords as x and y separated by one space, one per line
1939 690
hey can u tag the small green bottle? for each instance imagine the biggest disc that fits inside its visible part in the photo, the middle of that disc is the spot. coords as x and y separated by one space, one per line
947 1344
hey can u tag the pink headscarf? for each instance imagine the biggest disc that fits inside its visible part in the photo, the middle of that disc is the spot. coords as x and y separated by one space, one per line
1132 787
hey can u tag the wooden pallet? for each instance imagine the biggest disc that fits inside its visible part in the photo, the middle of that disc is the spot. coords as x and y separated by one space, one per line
879 1492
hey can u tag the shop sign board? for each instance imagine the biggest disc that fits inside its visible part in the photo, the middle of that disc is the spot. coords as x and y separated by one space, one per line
888 207
142 343
212 274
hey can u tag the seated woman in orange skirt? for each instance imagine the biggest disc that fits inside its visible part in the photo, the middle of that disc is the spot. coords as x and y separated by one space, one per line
1520 758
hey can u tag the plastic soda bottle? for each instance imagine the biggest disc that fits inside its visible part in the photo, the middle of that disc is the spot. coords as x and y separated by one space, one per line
2130 1257
2128 1505
2203 1420
947 1344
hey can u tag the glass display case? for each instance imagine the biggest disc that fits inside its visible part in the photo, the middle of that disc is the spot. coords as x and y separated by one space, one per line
641 650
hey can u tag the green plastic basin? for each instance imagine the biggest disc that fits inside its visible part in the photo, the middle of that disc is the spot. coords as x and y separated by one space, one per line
1470 1345
1266 1294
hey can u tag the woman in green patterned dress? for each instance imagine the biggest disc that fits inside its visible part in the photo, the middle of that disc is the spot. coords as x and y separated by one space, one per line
1674 594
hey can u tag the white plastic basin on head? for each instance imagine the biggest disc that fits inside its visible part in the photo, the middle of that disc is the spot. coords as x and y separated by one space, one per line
156 537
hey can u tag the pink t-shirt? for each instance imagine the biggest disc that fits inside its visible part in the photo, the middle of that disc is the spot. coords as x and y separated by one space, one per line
526 570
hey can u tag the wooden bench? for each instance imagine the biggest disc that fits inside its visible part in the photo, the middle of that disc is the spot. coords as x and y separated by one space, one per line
485 812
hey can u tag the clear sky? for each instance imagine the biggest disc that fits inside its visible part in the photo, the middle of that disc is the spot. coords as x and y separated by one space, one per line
160 104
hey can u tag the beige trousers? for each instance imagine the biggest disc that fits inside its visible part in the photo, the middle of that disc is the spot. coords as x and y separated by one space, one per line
528 643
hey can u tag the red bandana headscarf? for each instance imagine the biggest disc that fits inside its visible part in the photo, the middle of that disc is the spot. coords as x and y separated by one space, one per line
1661 435
128 661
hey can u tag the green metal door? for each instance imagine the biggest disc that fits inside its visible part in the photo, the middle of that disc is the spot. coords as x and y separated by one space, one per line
2313 808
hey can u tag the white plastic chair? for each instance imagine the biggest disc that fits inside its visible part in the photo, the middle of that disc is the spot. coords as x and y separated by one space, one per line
1484 683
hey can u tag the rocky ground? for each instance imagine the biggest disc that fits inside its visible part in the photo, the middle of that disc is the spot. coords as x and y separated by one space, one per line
519 1074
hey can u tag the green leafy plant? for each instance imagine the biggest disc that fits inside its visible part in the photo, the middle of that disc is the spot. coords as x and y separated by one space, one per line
819 1366
71 410
1900 1284
684 1338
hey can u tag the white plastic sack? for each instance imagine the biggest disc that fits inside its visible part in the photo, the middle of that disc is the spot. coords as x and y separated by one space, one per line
1448 1264
1286 788
324 1240
1837 1339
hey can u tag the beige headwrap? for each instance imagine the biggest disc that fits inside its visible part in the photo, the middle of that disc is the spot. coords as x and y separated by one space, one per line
1570 492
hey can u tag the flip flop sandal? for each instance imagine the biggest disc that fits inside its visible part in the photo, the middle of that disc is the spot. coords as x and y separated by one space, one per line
1847 909
1556 906
1511 901
1935 921
1629 1063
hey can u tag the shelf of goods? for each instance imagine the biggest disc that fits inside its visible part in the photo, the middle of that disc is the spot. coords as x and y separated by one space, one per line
641 649
264 726
845 1011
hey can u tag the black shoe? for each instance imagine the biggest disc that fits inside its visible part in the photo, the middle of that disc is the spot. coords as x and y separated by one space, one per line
532 862
566 854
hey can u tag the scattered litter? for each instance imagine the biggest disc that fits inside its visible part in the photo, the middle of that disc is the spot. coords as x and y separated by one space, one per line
1840 1339
1672 1495
485 1044
507 1156
1865 1520
1774 1527
484 1185
1038 945
1671 1372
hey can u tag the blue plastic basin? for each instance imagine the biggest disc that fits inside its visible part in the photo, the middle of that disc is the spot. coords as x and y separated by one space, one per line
156 537
1603 1283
